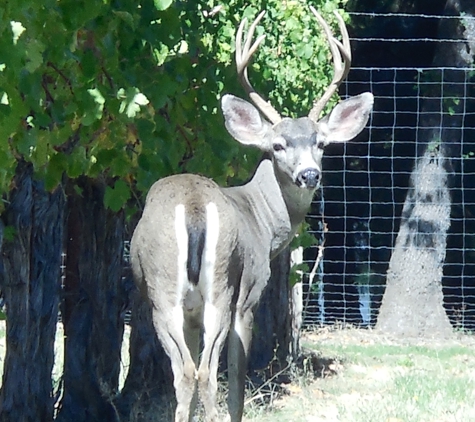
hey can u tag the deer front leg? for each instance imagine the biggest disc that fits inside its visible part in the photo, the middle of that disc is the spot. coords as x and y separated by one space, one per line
239 342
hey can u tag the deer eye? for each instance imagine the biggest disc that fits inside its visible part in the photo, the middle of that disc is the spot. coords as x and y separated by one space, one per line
278 147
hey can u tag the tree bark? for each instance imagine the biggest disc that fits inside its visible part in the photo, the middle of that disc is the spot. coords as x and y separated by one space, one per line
92 307
149 384
30 284
272 335
413 302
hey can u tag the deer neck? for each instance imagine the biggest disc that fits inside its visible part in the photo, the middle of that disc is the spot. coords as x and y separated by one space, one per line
273 210
297 199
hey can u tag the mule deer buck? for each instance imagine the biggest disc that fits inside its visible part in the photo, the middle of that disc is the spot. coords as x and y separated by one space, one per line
201 253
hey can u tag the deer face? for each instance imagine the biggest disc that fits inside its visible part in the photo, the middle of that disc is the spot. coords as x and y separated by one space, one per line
297 151
296 145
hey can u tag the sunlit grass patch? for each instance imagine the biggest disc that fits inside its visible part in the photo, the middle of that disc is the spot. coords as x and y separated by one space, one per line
380 379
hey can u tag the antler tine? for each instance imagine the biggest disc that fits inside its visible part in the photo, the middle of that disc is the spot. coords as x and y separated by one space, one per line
243 58
341 53
344 47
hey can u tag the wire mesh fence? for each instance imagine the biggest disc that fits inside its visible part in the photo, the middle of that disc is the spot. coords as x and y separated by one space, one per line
358 212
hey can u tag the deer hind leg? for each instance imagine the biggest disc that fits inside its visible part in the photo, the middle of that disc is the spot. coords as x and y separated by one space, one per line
193 338
171 335
216 327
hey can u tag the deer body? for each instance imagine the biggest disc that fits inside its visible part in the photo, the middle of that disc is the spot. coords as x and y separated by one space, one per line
201 253
239 240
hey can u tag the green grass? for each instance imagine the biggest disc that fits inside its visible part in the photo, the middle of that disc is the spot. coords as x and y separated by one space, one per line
383 381
406 382
375 379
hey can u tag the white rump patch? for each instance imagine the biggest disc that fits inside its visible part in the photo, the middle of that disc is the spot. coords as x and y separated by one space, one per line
182 246
210 319
209 253
177 315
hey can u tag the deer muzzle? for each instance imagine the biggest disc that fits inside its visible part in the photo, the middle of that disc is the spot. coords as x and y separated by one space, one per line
308 178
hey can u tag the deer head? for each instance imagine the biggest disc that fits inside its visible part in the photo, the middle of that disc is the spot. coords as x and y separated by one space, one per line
296 145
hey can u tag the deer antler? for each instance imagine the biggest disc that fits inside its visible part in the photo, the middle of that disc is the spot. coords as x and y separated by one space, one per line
243 57
341 53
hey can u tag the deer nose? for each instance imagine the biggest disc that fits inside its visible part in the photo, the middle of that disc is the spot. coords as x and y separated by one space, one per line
308 178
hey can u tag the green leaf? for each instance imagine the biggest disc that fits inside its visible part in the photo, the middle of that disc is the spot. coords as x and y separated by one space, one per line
34 54
17 30
120 165
26 141
162 4
161 54
89 64
77 162
5 158
60 135
54 172
116 197
99 100
296 271
127 18
132 99
93 106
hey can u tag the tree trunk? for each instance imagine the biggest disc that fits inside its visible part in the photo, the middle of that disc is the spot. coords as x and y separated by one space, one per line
413 302
30 285
148 389
92 307
296 302
272 335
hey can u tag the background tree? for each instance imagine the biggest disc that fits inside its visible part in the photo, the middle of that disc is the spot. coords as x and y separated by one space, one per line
413 301
32 262
375 181
396 128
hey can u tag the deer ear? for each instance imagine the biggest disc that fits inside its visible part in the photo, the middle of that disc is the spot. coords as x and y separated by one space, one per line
347 119
244 123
